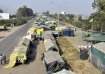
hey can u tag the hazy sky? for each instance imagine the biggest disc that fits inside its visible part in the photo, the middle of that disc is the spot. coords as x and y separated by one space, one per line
72 6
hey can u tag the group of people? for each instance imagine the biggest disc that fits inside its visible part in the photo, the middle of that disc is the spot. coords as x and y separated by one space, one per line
36 33
39 33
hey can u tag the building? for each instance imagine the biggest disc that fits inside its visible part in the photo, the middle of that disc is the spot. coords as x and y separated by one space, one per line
95 37
4 16
97 56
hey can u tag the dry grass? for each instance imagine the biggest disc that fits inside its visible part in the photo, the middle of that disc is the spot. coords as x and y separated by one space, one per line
72 56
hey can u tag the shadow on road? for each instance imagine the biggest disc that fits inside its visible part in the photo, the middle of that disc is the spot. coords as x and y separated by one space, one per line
2 37
32 52
4 30
67 66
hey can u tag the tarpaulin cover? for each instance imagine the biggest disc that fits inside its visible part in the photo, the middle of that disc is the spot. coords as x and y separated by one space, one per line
64 71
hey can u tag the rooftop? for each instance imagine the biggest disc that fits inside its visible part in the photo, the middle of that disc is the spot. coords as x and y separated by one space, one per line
100 46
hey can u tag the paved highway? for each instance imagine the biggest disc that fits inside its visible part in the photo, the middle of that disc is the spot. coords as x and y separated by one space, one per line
9 43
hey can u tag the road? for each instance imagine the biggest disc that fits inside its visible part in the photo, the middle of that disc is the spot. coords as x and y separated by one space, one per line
10 42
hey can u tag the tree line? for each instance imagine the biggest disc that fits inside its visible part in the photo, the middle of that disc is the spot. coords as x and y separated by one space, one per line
99 16
95 22
22 15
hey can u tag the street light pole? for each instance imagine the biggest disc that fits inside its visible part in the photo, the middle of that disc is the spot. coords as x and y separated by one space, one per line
58 18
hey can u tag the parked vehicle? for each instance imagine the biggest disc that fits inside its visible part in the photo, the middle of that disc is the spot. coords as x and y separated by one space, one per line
53 62
50 42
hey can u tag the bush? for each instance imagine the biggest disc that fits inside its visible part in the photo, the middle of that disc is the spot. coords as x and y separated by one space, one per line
20 21
2 22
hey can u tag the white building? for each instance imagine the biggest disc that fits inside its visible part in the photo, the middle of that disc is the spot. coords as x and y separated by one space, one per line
4 16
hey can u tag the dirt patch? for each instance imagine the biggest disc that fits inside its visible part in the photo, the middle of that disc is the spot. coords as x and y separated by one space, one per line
71 54
3 34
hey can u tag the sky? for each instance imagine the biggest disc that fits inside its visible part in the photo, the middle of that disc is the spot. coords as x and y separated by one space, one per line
79 7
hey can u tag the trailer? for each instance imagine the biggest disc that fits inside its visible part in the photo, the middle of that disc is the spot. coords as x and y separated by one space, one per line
53 62
19 54
50 42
